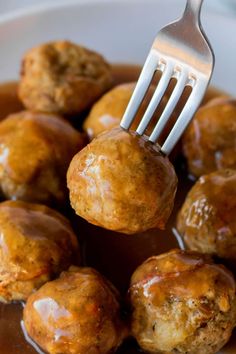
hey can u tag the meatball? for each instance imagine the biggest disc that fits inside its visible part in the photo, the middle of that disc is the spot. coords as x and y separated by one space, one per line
182 303
36 244
108 111
62 77
122 182
77 313
207 219
35 151
209 143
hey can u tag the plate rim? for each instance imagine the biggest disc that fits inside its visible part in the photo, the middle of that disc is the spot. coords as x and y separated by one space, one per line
32 10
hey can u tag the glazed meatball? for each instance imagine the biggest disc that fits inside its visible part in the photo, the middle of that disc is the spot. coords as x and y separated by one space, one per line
209 143
36 244
35 151
122 182
77 313
207 220
62 77
108 111
182 303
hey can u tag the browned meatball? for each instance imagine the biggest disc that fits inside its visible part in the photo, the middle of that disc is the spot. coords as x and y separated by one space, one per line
62 77
35 151
207 220
77 313
36 244
122 182
182 303
108 111
209 143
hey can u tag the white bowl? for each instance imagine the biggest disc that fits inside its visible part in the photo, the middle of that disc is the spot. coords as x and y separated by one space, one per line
122 30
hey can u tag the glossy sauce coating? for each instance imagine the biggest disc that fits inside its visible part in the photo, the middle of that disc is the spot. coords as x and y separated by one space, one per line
207 220
77 313
182 302
36 244
180 275
209 142
108 111
97 243
35 151
122 182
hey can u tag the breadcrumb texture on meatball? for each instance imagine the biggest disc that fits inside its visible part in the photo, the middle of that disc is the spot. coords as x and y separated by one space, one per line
35 152
62 77
77 313
108 111
36 244
209 142
207 219
182 303
122 182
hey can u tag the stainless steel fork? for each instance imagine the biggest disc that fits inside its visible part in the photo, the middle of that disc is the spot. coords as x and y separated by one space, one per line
181 51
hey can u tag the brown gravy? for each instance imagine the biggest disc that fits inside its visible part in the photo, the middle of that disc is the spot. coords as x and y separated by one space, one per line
115 255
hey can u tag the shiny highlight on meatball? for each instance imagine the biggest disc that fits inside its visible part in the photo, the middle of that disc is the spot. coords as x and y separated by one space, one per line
182 303
122 182
77 313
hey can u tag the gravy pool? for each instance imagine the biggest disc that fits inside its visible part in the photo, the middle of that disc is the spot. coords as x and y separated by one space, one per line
115 255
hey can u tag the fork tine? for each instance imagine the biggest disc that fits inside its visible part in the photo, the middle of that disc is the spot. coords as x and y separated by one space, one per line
156 98
170 106
185 117
141 88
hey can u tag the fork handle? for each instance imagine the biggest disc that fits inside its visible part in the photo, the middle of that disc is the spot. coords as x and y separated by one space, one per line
193 10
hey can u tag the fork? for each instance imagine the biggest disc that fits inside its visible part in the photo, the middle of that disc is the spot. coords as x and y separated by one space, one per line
181 51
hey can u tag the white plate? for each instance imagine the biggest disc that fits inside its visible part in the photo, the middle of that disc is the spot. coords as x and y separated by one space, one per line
122 30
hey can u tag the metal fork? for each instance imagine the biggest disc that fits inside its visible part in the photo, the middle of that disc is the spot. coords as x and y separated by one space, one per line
181 50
